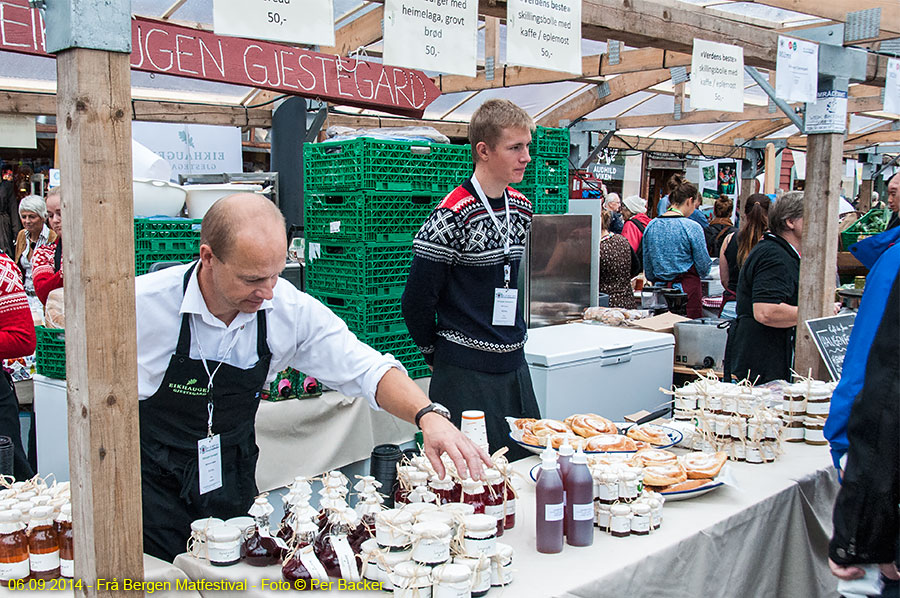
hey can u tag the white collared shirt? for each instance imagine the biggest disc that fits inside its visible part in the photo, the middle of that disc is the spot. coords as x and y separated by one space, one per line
302 333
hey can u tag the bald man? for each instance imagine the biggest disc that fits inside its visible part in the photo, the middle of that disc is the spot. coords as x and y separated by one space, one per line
210 335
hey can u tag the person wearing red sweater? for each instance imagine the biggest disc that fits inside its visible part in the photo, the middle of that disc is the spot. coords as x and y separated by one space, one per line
17 339
46 263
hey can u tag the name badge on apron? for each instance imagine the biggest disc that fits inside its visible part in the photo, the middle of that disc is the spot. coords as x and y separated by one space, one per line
505 303
209 461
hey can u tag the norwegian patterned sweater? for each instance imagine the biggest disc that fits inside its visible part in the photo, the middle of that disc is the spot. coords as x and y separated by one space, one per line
17 337
457 263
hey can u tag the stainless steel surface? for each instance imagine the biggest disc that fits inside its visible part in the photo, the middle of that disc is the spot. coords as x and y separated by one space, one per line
700 343
557 275
594 208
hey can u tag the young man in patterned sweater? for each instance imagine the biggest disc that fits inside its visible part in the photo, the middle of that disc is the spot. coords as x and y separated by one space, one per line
460 302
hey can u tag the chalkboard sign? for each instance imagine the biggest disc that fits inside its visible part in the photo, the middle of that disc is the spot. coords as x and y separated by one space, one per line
831 336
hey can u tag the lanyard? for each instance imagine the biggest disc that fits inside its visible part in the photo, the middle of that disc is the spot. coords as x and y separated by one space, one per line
490 211
209 385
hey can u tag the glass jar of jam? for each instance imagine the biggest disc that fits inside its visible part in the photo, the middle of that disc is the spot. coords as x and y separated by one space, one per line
495 497
66 541
473 494
443 488
13 547
43 544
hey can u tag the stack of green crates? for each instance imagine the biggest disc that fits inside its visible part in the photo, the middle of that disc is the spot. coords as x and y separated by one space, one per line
365 201
161 239
546 180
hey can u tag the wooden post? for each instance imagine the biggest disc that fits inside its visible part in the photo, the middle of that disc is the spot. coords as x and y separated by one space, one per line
492 43
94 119
865 196
771 172
818 263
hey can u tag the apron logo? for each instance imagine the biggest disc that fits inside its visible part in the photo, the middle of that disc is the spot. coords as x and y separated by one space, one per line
188 388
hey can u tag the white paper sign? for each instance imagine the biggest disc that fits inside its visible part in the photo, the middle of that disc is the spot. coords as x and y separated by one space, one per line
433 35
796 70
892 87
54 178
828 114
18 131
717 77
294 21
545 34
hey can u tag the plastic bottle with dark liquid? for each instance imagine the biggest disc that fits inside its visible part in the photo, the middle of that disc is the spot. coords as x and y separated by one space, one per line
565 461
579 511
13 548
43 544
549 513
66 541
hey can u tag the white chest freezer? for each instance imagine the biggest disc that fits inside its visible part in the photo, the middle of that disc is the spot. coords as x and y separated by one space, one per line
591 368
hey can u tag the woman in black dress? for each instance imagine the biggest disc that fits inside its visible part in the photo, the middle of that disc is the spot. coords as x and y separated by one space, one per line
615 266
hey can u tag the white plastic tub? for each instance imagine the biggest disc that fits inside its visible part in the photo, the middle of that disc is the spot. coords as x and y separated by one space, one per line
201 197
157 198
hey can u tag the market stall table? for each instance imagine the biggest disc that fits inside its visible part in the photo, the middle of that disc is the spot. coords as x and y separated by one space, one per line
766 535
309 436
155 570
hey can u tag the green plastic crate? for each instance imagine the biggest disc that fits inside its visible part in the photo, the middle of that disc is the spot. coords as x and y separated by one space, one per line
545 171
373 269
402 347
548 141
50 357
547 199
872 222
143 260
378 164
367 215
161 235
366 316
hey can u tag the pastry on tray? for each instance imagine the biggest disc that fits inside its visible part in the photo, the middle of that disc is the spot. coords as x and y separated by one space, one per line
590 424
685 485
652 456
610 442
703 465
545 427
664 474
650 434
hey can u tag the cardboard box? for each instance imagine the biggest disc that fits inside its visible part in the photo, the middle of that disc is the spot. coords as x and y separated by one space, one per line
661 323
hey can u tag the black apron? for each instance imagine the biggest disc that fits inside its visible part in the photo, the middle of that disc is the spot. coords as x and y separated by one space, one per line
174 418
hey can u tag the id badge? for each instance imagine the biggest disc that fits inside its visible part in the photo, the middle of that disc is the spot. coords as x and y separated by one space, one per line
209 460
505 303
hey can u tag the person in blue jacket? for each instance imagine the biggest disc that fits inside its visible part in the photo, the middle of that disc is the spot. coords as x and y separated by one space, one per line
863 426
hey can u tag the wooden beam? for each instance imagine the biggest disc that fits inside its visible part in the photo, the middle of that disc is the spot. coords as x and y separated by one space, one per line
836 10
94 113
588 100
771 179
492 41
676 146
819 246
882 134
34 104
643 59
361 31
854 105
509 76
753 129
171 10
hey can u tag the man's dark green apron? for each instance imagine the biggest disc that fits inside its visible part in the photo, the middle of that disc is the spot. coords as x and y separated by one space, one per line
174 418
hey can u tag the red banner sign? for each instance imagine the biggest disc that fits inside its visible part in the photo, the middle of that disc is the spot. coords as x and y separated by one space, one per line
160 47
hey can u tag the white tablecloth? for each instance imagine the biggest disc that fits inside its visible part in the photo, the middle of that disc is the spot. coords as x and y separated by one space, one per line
154 570
311 436
767 536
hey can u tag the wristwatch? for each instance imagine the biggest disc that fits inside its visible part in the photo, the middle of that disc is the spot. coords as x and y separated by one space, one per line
437 408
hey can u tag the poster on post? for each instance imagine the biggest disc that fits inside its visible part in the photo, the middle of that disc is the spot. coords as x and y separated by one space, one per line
718 178
297 22
432 35
544 34
828 114
717 77
892 87
796 70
